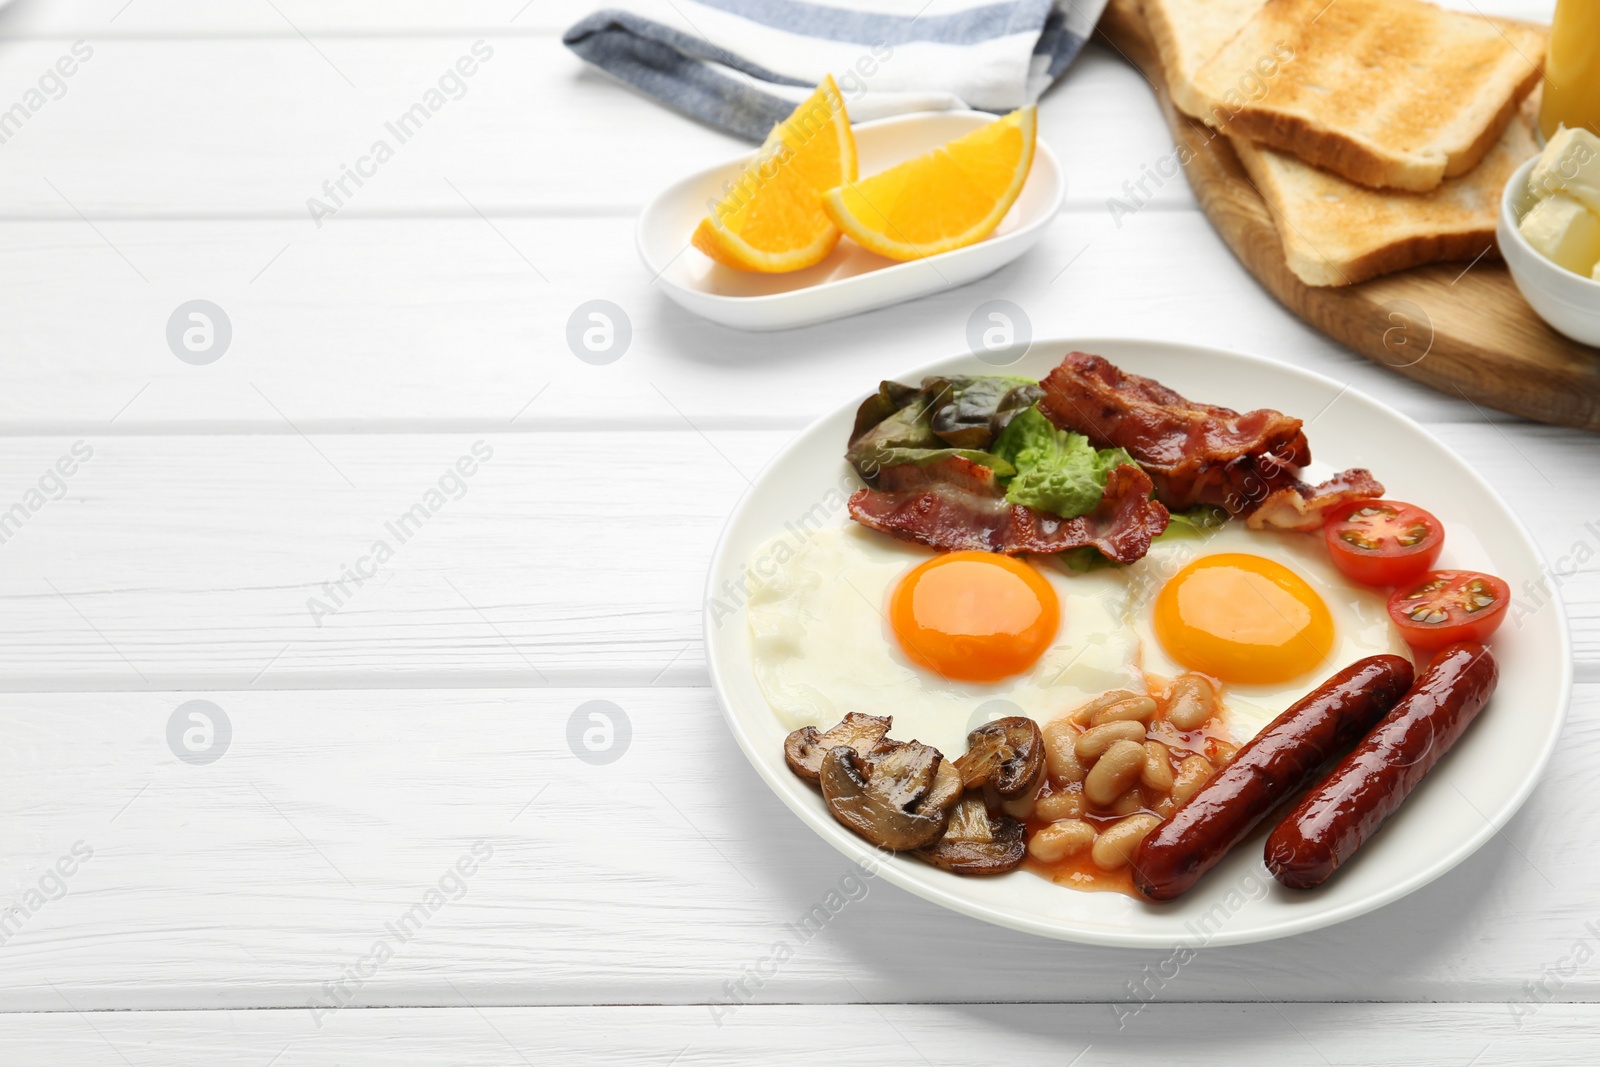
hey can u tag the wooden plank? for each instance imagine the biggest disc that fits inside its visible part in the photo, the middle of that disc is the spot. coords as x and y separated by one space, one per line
560 13
1475 332
662 877
527 561
215 561
417 324
532 130
1293 1035
179 19
322 18
529 128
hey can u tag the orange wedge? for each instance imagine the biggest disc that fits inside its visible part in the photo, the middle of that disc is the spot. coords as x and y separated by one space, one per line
949 198
771 219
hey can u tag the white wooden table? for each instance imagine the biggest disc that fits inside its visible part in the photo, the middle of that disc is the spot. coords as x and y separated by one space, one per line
419 720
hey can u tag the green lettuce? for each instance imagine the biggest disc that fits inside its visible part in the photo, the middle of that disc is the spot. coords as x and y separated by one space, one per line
954 416
978 408
1198 521
1057 470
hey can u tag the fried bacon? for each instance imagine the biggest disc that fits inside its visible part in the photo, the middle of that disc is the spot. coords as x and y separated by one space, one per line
1303 507
1197 453
954 503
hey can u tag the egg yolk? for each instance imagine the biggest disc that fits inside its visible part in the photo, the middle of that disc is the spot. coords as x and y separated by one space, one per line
1244 619
974 616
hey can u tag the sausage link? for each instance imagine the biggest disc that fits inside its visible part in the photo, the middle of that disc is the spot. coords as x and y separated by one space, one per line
1274 765
1371 783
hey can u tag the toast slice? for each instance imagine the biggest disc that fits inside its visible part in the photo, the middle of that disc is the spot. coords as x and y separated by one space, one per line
1187 33
1388 93
1336 232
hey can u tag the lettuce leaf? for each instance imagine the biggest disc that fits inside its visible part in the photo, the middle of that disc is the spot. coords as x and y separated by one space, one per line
958 415
1057 470
1085 559
1198 521
978 408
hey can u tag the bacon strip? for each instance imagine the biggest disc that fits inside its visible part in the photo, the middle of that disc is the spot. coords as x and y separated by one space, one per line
1302 507
955 504
1190 450
1197 453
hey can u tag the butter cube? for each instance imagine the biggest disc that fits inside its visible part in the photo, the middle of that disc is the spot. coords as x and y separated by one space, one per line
1596 274
1565 232
1569 164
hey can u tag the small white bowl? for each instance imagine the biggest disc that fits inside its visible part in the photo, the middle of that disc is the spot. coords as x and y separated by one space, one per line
1569 302
851 279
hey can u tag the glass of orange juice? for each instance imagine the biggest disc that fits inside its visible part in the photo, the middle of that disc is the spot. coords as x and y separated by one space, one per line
1572 68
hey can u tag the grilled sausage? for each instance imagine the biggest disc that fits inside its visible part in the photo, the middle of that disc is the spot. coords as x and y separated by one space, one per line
1371 783
1271 767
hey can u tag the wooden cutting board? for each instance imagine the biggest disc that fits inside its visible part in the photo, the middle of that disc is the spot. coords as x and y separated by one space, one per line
1469 335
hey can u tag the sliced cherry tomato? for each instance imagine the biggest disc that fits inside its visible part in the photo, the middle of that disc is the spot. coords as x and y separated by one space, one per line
1383 542
1449 606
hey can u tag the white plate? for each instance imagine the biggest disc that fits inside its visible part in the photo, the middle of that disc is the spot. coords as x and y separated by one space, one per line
851 279
1459 806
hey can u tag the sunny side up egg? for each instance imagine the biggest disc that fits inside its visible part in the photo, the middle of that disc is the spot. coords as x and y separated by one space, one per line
1264 612
823 643
852 620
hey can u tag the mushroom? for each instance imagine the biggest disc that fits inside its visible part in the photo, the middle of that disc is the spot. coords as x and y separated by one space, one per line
976 843
899 799
1007 754
803 750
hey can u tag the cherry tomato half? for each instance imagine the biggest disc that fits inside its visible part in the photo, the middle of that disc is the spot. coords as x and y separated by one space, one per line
1449 606
1383 542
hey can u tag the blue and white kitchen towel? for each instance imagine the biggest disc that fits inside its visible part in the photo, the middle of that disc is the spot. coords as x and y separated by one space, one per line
742 65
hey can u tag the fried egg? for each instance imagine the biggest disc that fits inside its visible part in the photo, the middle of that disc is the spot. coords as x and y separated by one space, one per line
1265 613
852 620
848 619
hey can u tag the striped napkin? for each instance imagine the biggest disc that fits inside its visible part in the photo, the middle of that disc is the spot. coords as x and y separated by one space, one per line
742 65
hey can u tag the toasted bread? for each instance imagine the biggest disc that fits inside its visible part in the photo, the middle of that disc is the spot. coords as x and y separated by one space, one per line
1187 33
1388 93
1336 232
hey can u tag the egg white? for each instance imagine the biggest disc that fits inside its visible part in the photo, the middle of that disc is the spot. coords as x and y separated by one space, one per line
822 645
1360 615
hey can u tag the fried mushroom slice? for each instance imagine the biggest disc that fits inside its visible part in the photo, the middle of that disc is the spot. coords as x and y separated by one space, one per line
803 750
1007 754
899 799
975 843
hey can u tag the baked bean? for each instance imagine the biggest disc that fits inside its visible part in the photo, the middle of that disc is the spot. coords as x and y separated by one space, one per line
1093 743
1142 709
1081 715
1060 840
1221 752
1115 772
1157 773
1191 702
1060 759
1115 845
1128 803
1022 807
1165 807
1058 806
1193 773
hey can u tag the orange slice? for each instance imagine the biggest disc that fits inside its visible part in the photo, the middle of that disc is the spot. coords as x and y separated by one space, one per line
772 218
949 198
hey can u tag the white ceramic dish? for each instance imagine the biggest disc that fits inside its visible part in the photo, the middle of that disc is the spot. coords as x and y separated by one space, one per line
1462 803
851 279
1569 302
